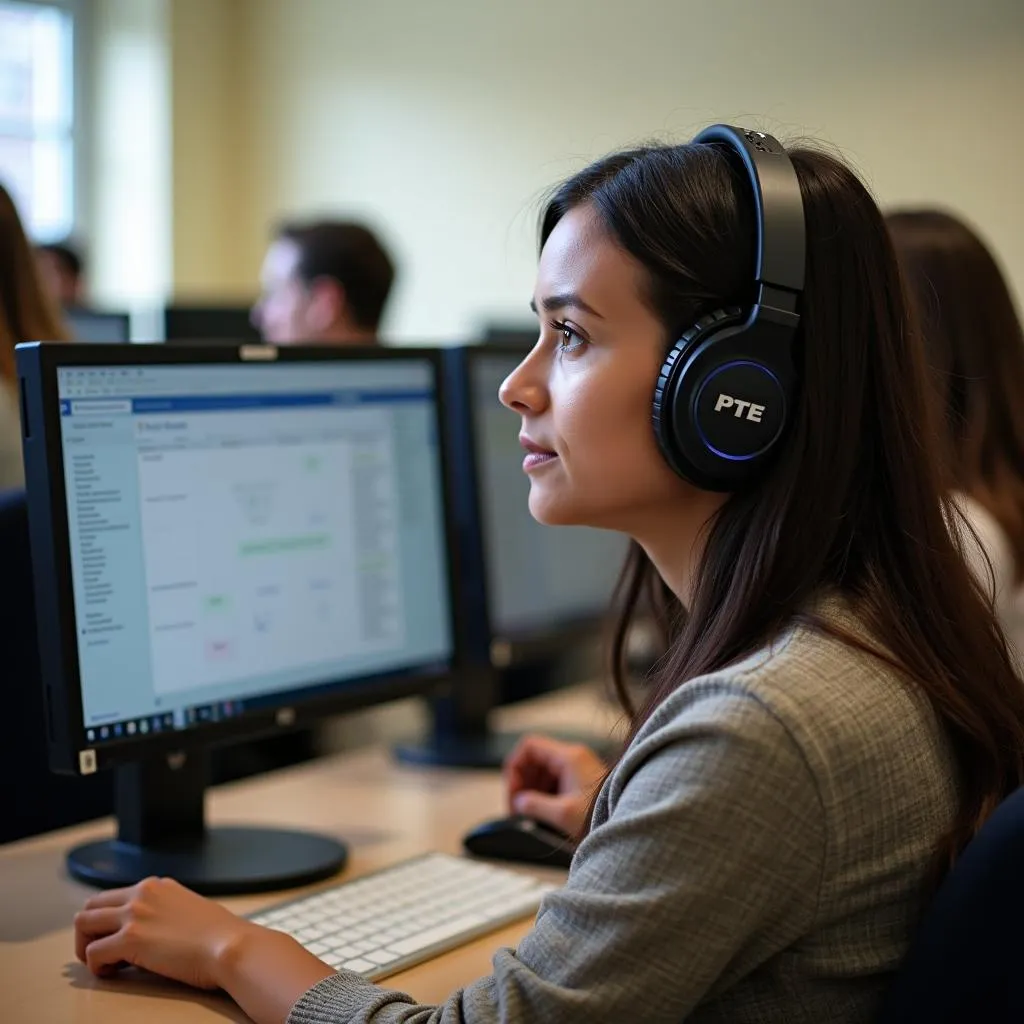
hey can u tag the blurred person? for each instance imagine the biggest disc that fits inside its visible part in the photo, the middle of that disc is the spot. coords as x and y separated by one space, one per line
323 282
975 347
63 272
27 313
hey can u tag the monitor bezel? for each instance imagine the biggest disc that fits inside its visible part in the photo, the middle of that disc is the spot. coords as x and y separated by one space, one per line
49 535
524 645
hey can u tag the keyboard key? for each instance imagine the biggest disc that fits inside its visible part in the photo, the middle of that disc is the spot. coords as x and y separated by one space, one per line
383 956
359 966
438 934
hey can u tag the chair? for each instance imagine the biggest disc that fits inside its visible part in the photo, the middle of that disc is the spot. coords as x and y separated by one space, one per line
32 798
967 961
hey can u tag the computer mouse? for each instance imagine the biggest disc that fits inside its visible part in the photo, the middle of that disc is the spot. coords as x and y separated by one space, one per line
522 839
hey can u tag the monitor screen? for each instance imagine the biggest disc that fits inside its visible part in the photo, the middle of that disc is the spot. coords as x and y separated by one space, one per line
538 577
244 536
91 326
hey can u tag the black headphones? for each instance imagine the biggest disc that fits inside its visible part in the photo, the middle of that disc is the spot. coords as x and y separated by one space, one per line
727 388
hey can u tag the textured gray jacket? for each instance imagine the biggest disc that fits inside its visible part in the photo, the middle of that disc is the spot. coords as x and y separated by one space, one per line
758 855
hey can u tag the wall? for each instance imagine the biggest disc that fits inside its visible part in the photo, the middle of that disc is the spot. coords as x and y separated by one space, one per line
444 122
127 121
209 132
164 126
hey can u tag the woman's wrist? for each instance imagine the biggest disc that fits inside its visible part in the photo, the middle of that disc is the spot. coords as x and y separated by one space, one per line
265 971
230 951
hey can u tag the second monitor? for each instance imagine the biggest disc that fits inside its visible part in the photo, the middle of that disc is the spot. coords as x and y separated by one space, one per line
543 584
531 595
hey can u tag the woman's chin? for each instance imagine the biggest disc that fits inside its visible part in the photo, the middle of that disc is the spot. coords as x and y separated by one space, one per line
546 509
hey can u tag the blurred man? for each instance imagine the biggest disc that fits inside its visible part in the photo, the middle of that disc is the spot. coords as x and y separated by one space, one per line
325 282
63 273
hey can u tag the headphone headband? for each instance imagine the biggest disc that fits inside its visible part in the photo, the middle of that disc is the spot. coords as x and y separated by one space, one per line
778 207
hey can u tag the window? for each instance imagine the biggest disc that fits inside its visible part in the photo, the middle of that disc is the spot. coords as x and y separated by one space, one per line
37 114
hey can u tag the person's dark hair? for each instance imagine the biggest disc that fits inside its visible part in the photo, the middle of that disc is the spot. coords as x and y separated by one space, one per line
853 502
67 255
975 346
26 310
350 254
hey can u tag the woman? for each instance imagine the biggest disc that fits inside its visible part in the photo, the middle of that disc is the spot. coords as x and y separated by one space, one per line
26 314
976 349
837 714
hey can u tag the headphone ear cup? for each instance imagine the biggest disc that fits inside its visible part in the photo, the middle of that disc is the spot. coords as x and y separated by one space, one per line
672 414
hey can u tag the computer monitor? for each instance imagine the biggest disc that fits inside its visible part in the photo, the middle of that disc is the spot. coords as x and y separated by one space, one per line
185 324
530 593
227 542
521 334
91 325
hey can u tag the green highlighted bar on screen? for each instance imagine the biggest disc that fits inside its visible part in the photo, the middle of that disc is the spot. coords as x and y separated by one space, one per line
284 545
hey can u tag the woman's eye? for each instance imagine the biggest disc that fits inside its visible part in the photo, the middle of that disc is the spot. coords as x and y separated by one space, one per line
569 340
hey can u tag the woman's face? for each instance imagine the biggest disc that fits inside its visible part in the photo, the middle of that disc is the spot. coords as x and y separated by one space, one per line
585 390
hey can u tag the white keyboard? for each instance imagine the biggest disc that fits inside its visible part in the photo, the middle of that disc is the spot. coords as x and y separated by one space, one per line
390 920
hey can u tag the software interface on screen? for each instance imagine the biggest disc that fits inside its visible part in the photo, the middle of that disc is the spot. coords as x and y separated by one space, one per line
245 534
538 576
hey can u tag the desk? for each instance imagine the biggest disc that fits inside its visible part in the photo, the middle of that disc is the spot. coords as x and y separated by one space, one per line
384 811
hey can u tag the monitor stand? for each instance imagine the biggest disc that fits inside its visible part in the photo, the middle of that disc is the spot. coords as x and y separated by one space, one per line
161 830
461 737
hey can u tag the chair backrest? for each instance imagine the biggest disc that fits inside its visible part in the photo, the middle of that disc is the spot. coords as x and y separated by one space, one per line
967 960
32 798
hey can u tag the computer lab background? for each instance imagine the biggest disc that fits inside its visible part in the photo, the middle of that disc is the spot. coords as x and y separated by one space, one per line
197 125
202 122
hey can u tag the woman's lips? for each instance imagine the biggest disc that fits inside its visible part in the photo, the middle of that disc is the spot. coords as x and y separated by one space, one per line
535 459
536 455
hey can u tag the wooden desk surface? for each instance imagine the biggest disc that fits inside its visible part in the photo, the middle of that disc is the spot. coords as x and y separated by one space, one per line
385 812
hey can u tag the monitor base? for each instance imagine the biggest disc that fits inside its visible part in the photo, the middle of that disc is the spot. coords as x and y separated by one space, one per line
487 749
222 862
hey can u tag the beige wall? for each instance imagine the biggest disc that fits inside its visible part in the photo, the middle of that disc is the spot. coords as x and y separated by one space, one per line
166 137
443 122
128 181
209 107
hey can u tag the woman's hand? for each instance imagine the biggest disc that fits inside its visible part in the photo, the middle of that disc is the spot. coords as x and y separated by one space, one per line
553 781
163 927
158 925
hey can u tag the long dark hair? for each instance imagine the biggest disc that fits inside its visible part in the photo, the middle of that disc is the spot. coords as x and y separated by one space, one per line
26 311
853 502
975 346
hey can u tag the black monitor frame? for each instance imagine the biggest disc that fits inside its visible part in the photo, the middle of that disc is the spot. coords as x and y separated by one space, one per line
161 776
223 314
